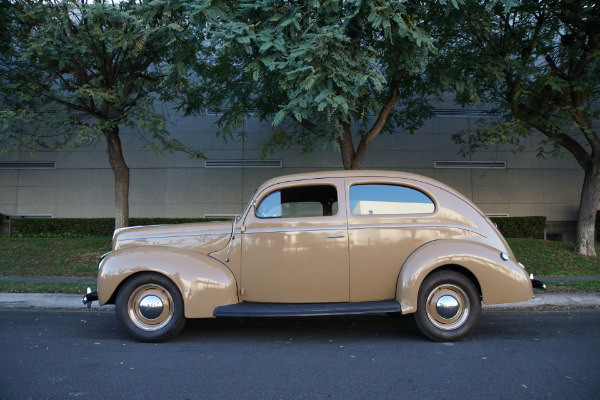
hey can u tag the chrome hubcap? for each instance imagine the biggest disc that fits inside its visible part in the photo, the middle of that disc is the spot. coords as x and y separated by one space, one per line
150 307
448 307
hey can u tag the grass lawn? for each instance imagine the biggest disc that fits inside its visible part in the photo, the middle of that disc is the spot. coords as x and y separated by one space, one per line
53 256
79 288
44 287
59 256
545 258
574 287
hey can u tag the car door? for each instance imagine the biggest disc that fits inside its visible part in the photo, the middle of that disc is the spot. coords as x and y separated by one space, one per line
295 244
387 220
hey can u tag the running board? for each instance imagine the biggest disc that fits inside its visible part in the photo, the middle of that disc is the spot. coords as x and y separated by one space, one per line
249 309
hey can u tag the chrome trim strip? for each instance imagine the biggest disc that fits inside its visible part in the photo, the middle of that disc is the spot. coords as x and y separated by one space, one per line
379 226
397 226
308 229
298 230
182 235
102 257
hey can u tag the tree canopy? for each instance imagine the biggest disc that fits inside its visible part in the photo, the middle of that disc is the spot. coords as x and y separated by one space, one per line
323 71
538 64
73 72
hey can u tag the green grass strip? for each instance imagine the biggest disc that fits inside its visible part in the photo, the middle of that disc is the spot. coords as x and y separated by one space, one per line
44 287
574 287
546 258
54 256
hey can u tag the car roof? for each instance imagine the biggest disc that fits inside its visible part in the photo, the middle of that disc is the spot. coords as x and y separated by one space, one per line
354 174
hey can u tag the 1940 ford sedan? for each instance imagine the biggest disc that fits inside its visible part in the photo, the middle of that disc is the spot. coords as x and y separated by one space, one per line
324 243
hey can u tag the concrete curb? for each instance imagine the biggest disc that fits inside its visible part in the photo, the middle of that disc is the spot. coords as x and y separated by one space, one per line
73 301
553 300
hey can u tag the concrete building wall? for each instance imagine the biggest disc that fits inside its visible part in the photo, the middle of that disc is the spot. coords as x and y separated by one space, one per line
82 183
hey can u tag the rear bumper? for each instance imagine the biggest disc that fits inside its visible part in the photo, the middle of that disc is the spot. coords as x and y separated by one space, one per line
89 297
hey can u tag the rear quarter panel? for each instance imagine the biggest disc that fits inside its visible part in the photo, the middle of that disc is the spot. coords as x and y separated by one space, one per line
500 281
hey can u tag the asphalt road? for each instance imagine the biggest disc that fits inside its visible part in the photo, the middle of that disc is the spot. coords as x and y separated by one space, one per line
511 355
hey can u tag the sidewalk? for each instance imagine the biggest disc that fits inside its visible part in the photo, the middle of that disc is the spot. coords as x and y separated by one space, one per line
46 300
73 301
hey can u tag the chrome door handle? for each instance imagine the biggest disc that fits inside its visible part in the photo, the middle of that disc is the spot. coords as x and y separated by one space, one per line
336 236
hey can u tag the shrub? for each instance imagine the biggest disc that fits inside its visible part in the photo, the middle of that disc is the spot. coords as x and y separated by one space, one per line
521 227
513 227
85 226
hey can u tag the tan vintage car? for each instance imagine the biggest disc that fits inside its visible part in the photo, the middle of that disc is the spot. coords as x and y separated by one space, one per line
318 244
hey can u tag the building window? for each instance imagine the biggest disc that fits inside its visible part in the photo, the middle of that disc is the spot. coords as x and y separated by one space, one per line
27 164
243 164
469 164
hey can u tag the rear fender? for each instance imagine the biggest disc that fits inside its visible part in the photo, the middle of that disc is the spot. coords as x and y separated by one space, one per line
500 281
204 282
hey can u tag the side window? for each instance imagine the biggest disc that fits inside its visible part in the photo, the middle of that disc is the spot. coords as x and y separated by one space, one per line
388 199
299 201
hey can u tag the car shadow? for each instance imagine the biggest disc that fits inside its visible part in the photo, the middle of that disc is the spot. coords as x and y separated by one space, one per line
307 329
492 326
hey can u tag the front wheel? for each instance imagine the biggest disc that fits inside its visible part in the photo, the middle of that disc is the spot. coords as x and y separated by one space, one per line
448 306
150 308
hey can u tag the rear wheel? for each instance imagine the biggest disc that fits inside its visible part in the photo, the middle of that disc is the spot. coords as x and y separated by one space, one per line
150 308
448 306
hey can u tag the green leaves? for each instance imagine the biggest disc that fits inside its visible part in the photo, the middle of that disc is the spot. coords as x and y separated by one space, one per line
72 69
313 67
536 62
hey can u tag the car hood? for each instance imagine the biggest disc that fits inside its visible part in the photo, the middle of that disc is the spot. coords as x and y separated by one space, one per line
203 238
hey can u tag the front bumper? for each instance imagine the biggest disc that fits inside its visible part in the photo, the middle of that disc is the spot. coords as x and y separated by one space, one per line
537 284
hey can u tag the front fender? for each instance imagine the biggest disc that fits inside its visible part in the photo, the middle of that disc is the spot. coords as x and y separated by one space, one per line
204 282
500 281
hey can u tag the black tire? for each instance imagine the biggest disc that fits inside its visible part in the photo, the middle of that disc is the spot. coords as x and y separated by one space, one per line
150 308
448 306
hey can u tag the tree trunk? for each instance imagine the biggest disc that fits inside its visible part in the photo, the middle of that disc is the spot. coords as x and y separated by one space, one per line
347 148
353 159
588 209
121 171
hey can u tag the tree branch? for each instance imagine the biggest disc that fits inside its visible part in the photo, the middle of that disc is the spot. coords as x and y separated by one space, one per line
393 98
